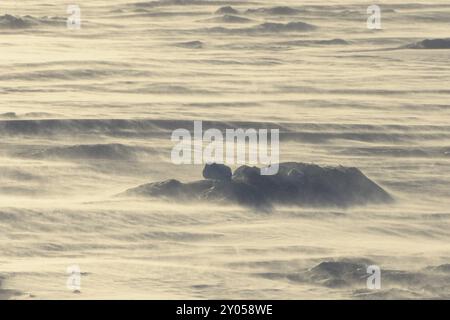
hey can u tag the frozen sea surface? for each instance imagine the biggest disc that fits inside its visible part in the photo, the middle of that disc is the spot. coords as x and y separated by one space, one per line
87 114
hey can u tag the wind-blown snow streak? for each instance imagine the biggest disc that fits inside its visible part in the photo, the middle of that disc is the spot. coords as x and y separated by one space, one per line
87 114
